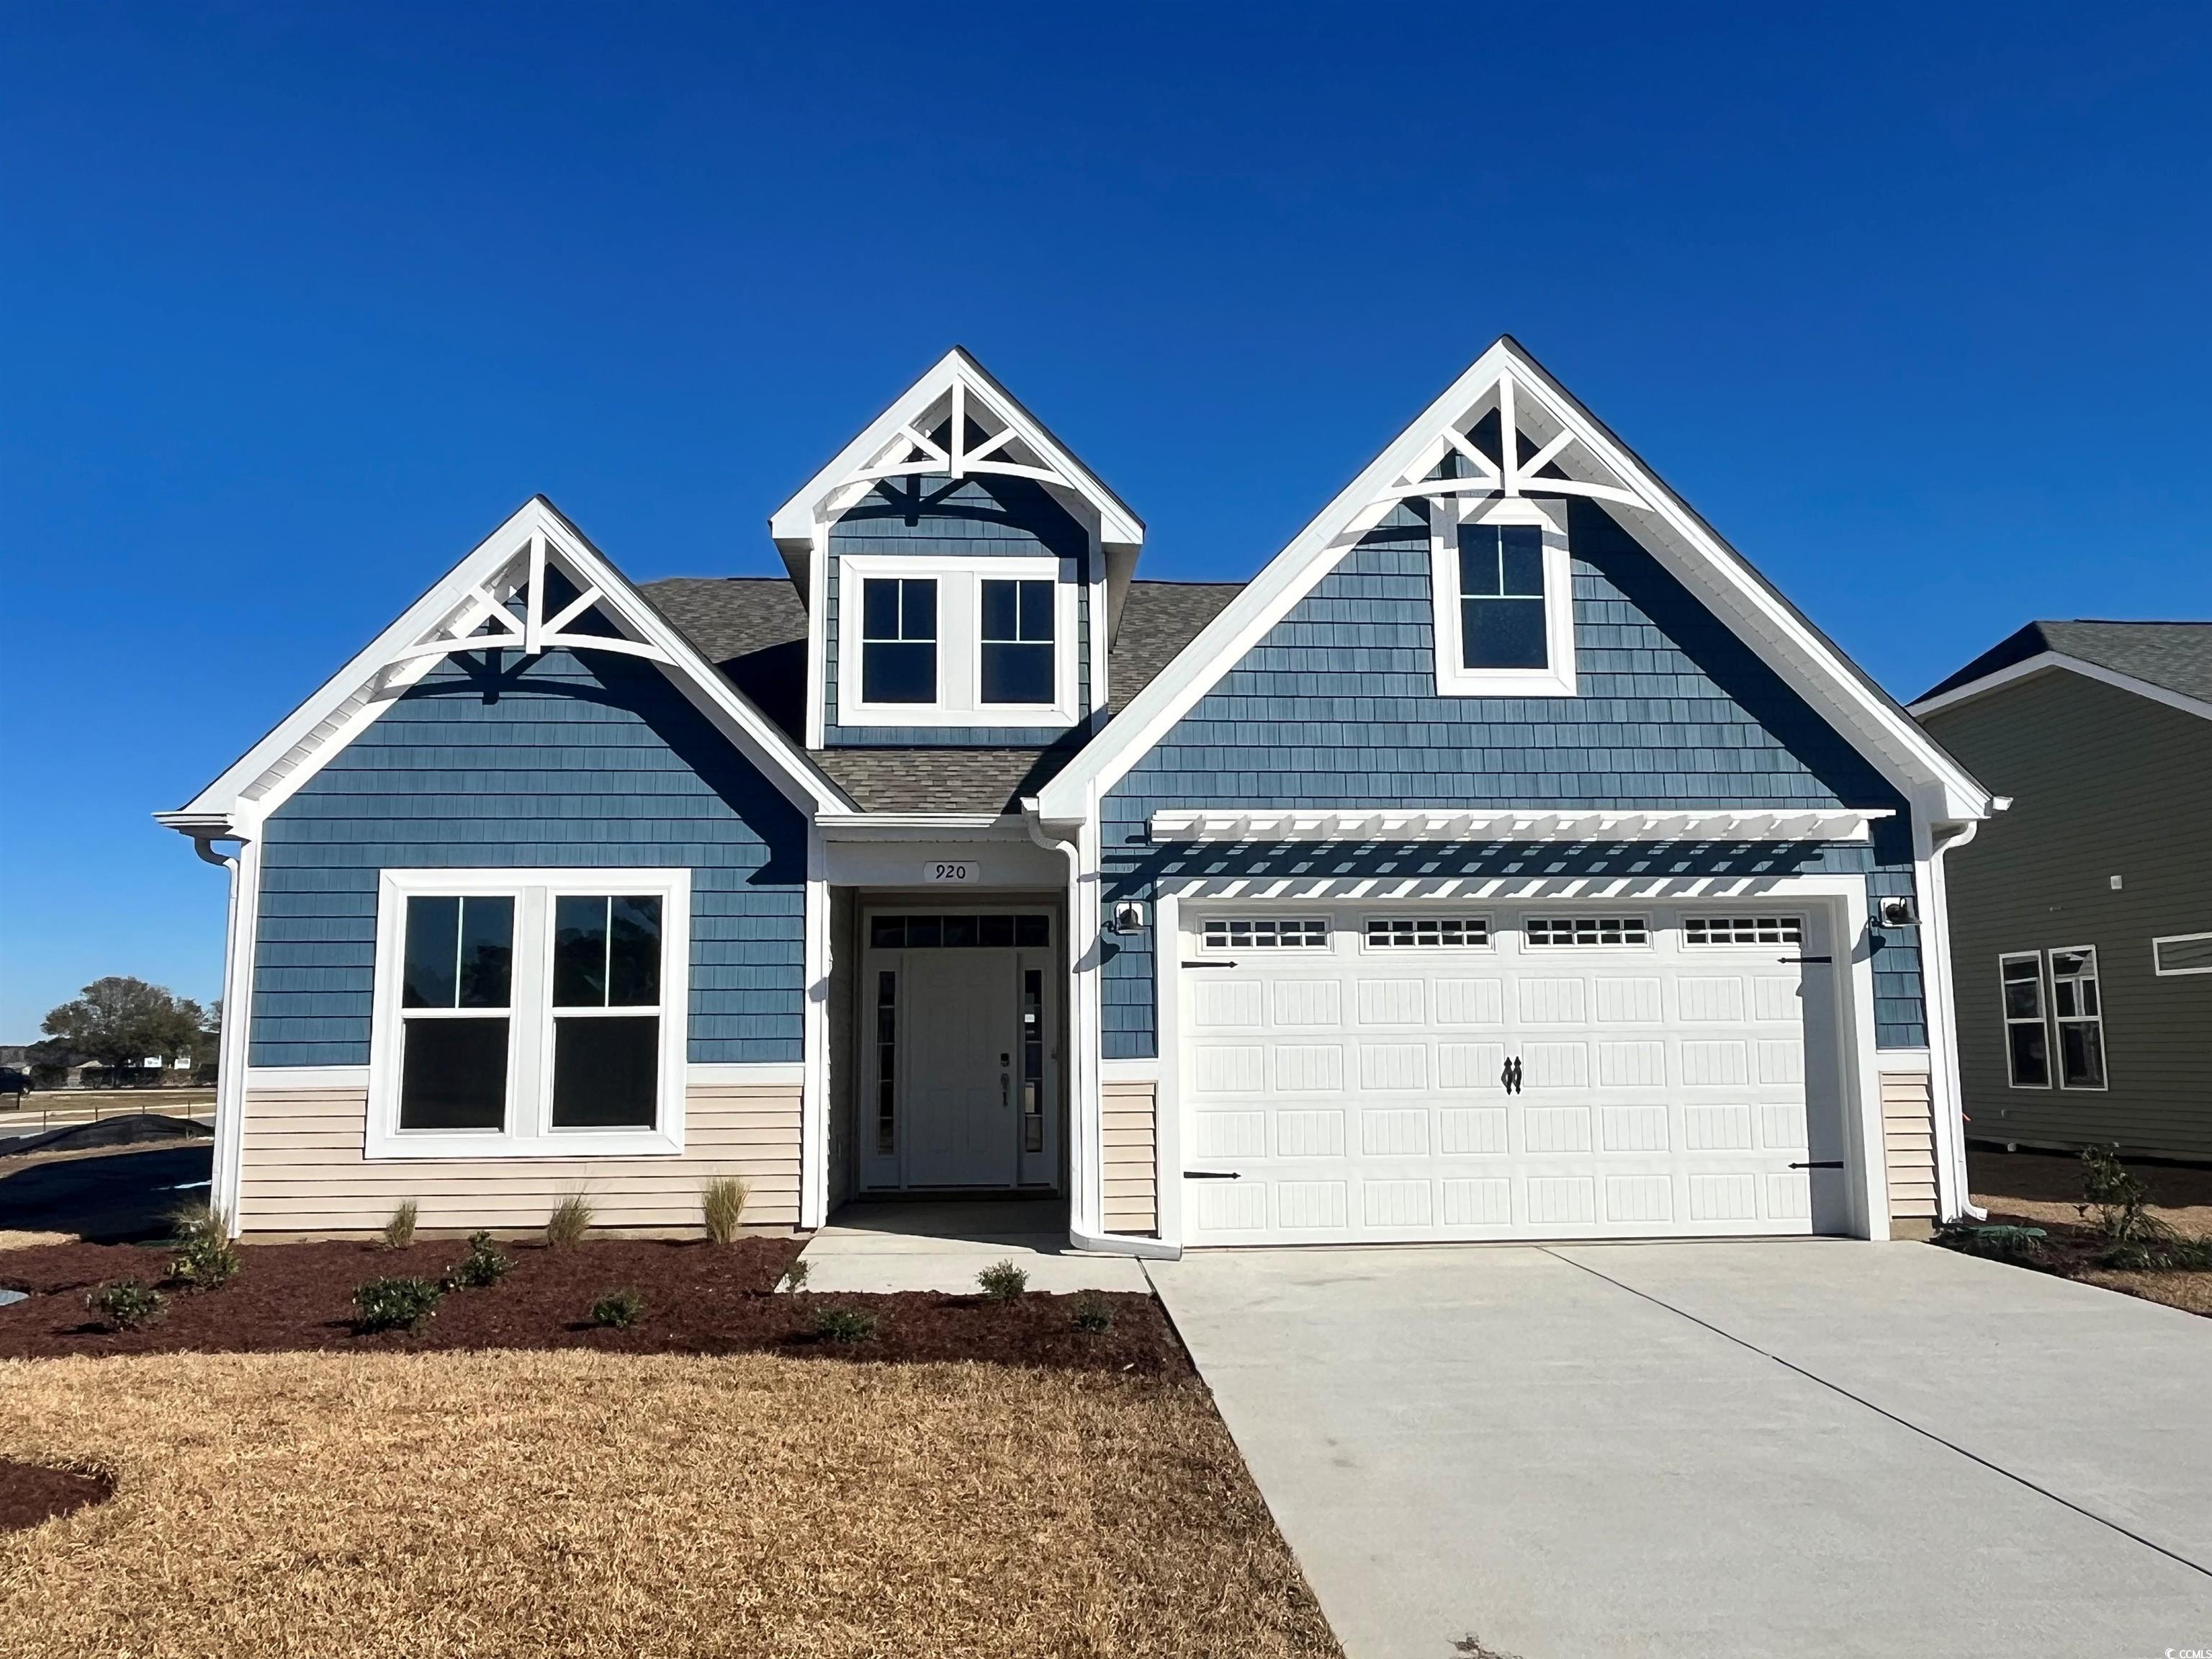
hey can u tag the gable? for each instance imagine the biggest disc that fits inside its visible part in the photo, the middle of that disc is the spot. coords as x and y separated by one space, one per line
1556 450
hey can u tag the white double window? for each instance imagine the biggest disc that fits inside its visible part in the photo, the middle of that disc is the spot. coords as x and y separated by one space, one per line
2049 994
1503 592
935 642
529 1012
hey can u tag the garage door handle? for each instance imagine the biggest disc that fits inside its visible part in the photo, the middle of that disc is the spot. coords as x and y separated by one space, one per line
1821 1163
1211 1174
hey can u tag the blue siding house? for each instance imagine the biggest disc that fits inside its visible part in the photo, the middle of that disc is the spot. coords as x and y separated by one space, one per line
1506 859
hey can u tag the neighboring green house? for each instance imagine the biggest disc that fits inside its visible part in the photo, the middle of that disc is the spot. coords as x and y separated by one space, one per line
2081 918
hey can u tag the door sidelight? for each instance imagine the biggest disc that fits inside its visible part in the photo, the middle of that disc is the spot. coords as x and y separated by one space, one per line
1510 1079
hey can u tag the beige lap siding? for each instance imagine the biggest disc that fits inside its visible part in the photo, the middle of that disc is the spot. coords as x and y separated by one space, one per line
1908 1129
1130 1158
301 1169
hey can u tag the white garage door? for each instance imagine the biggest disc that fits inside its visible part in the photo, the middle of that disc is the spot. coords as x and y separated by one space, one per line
1366 1074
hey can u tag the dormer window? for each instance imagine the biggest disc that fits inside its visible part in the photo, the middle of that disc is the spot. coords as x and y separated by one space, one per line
1504 599
1017 644
932 641
898 639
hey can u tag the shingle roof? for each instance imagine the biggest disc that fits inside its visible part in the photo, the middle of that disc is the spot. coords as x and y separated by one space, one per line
2176 655
754 629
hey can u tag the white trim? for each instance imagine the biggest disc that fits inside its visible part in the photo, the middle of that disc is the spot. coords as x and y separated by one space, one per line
814 1099
1906 1062
745 1074
890 445
959 641
287 1078
443 620
232 1067
1144 1069
527 1132
1557 678
2162 971
2044 662
1931 844
1239 825
1679 541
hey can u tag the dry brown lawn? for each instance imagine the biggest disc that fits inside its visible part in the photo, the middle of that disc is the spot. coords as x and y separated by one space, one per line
479 1505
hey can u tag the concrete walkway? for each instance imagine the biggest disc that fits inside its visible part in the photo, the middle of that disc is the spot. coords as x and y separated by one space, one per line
942 1247
1817 1448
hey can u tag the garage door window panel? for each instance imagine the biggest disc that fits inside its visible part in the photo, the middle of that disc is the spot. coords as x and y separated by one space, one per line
1586 933
1417 932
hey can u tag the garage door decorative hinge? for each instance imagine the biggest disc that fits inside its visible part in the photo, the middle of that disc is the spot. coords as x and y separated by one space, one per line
1821 1163
1211 1174
1209 964
1804 959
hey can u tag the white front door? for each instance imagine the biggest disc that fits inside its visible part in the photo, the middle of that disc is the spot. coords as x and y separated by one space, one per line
959 1091
1380 1071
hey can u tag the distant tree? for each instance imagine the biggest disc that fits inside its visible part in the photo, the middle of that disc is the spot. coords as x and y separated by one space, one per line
120 1022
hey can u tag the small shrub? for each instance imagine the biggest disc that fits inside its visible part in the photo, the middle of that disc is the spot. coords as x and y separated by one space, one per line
205 1257
795 1276
483 1266
124 1304
2135 1240
722 1206
845 1325
571 1220
395 1304
399 1230
2024 1246
617 1309
1093 1312
1002 1281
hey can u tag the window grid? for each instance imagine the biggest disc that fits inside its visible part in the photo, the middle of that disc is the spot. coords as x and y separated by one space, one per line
1032 1060
898 639
1501 587
1742 930
886 1061
1427 933
2079 1011
1018 650
2027 1036
1266 932
1554 932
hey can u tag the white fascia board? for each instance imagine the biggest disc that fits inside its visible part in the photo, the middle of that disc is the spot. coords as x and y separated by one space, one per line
1716 572
792 526
320 727
2046 662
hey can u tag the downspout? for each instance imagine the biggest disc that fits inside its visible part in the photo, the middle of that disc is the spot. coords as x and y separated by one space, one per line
1942 838
230 1056
1083 1102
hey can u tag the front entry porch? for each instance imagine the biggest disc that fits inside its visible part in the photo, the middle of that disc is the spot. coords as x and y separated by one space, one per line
930 1244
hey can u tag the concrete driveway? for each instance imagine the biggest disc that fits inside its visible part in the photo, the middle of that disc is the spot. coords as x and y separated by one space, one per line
1804 1448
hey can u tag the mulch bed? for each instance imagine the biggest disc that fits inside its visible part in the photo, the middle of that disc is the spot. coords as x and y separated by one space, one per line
2072 1251
30 1492
699 1298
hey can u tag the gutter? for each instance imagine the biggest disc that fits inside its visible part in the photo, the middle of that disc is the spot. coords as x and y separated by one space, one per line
1083 1068
205 830
1943 837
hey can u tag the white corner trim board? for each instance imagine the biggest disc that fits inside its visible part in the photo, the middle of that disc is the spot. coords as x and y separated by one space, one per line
1364 825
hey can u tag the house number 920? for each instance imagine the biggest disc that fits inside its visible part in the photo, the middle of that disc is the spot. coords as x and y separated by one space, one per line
941 871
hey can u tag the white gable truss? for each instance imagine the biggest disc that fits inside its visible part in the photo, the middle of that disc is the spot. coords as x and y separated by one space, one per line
471 608
1576 455
957 394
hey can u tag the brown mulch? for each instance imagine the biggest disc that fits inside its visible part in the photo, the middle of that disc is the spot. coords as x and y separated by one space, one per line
698 1297
2044 1189
31 1492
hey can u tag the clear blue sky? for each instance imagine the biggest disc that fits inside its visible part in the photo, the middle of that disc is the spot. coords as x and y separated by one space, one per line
297 301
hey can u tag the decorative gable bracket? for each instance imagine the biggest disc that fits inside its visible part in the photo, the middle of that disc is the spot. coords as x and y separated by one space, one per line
1453 463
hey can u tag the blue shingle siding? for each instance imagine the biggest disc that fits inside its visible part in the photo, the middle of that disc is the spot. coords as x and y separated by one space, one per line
1337 707
564 761
981 517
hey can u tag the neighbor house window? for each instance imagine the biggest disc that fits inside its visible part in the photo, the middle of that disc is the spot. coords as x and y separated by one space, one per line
2027 1030
1018 644
2181 953
524 1012
2080 1014
1504 597
898 639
